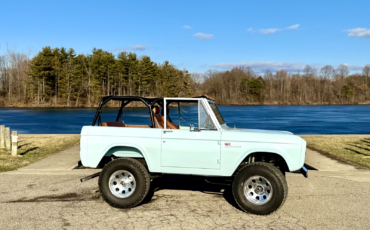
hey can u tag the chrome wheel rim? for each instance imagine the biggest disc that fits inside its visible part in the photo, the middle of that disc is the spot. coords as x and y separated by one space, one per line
122 184
258 190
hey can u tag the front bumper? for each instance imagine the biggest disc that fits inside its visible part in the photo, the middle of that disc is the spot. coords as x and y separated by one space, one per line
304 171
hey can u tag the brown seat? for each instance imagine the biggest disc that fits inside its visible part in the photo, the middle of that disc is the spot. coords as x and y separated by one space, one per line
158 119
113 124
137 126
170 124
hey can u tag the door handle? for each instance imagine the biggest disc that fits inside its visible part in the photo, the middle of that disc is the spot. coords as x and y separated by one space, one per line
167 131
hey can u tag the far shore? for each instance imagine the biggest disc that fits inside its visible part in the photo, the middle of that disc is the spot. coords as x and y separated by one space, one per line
301 135
139 105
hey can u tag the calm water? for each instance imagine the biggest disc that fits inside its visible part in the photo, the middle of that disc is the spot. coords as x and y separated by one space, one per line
332 119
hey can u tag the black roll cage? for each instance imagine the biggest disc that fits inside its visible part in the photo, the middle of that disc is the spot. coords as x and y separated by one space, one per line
125 100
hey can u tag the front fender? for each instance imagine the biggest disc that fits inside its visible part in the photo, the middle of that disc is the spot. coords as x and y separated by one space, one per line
289 152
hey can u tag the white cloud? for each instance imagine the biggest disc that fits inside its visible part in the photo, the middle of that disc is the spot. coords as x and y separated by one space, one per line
274 30
203 36
260 67
133 47
293 27
359 32
187 27
198 76
355 68
138 47
268 31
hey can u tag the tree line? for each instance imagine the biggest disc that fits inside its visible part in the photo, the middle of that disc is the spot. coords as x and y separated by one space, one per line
326 86
60 77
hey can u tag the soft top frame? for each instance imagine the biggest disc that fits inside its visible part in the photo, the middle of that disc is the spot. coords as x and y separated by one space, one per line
148 101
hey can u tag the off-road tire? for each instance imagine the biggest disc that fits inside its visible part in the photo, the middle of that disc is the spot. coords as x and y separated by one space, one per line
273 175
140 174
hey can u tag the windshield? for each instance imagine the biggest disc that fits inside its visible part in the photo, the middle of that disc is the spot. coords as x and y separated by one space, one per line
216 112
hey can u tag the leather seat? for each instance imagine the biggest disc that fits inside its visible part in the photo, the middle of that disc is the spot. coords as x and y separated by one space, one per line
137 126
158 119
113 124
170 124
121 124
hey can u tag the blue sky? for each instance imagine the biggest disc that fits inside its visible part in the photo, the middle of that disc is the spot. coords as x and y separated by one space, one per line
198 35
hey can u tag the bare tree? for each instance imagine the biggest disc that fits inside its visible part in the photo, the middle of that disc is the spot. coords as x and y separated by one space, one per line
366 72
327 72
343 71
308 70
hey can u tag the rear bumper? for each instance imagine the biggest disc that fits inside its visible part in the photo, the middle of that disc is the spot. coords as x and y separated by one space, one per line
304 171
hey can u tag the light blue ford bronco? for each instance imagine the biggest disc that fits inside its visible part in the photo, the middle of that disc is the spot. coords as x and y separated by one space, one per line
188 136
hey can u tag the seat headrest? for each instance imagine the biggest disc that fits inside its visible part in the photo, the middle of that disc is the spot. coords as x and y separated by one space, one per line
156 110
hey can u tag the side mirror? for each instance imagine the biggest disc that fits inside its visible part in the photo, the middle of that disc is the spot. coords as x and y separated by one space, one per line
193 128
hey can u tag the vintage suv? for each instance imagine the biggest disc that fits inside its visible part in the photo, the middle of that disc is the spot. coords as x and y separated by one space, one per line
196 141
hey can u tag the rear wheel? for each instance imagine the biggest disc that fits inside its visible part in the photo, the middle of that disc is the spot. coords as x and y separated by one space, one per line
124 183
260 188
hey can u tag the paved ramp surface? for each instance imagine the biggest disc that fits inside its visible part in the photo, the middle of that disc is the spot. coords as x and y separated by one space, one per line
335 197
323 163
64 160
55 201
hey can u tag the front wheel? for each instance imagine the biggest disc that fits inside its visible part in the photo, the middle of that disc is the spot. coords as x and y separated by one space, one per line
260 188
124 183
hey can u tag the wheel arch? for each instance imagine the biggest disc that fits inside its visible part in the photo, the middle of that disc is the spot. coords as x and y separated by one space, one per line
126 151
272 157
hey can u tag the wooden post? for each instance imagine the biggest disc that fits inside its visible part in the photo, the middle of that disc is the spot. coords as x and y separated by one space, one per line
2 136
8 143
15 143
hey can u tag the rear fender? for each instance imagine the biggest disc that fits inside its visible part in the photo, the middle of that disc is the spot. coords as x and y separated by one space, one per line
120 150
124 151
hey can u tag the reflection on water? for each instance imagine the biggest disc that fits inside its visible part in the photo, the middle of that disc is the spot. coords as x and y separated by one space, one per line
325 119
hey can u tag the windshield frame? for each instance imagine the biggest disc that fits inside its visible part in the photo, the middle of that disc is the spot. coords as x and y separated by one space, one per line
206 105
216 112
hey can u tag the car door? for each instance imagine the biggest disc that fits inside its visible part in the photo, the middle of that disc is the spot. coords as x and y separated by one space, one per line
200 149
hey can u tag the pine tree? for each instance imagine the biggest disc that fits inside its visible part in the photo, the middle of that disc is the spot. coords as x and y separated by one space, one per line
42 74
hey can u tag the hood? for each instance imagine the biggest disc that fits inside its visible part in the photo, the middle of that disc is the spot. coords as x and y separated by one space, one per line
257 131
260 135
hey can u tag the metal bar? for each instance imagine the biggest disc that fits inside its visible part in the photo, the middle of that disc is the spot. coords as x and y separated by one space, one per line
120 109
97 114
165 114
179 109
199 115
90 177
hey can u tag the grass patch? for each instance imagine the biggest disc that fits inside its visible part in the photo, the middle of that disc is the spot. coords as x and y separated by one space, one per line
350 149
35 148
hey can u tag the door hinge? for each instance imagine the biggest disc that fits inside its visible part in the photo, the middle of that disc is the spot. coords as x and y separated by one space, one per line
219 142
218 161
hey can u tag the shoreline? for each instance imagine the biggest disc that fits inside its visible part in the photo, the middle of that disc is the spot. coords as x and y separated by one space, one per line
300 135
139 106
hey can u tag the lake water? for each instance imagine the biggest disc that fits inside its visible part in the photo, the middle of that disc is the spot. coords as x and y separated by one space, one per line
322 119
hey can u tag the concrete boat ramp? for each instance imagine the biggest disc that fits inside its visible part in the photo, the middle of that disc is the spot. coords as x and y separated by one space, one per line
49 195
